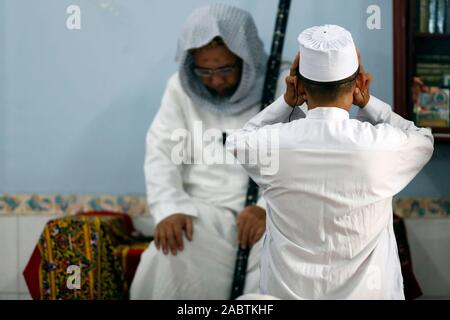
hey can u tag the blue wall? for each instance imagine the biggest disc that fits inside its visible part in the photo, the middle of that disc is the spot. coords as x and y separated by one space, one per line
75 105
434 179
2 102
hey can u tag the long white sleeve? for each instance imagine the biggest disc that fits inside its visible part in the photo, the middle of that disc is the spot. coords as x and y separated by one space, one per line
241 141
164 184
377 111
416 144
249 144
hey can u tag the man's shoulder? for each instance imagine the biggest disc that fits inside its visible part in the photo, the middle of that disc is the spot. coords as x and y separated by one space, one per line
174 81
174 87
382 135
348 135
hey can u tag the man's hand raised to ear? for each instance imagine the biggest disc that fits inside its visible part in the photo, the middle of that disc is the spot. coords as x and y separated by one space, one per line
292 95
361 94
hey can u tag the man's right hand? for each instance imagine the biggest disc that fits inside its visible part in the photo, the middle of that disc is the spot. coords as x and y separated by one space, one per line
292 97
361 95
169 232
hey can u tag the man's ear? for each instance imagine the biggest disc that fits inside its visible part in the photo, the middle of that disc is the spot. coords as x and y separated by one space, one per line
358 82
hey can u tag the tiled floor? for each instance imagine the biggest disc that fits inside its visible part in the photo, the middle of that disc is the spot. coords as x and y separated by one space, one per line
9 296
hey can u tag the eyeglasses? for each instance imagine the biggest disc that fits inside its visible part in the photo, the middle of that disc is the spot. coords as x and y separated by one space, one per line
223 71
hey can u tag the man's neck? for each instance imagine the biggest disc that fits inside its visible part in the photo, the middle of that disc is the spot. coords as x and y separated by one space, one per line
334 104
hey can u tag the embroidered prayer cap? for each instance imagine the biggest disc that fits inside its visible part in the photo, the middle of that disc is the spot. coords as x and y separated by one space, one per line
327 54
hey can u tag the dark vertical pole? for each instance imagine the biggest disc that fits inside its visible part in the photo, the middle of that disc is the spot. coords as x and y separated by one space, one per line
270 83
402 57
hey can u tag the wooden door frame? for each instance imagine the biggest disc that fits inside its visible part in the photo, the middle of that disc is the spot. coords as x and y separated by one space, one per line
402 56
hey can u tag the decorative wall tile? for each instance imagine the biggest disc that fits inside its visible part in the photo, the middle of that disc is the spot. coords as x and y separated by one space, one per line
423 207
34 204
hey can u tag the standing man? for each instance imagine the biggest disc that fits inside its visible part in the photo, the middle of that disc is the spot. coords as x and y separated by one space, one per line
329 205
198 202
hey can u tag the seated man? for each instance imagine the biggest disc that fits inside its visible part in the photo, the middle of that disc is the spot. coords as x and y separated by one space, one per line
329 205
197 199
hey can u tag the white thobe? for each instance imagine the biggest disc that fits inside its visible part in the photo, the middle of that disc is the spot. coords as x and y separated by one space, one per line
185 173
329 190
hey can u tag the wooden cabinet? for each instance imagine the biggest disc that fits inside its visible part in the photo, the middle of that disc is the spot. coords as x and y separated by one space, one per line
409 43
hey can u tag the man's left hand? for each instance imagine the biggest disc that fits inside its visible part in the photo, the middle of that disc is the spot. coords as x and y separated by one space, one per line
251 224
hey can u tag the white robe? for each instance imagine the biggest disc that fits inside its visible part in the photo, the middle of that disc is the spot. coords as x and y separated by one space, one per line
213 194
329 205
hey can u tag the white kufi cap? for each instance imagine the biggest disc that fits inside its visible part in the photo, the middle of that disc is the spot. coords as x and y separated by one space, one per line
327 54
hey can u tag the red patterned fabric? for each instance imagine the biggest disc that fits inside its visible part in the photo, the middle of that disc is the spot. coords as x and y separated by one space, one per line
130 256
31 274
102 242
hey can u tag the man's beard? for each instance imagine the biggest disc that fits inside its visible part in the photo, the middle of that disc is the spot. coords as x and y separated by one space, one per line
227 94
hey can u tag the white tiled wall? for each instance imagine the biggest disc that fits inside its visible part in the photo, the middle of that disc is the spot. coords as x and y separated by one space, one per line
429 242
18 237
25 296
9 255
9 296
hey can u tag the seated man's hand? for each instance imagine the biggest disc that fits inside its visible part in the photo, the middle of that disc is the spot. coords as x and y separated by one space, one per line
169 232
251 224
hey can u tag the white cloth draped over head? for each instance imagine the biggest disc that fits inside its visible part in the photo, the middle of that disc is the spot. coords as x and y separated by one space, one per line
237 29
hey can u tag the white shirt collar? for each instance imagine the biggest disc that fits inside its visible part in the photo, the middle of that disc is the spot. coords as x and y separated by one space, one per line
330 113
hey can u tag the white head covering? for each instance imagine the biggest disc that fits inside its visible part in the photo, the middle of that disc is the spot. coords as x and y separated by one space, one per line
327 54
238 30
